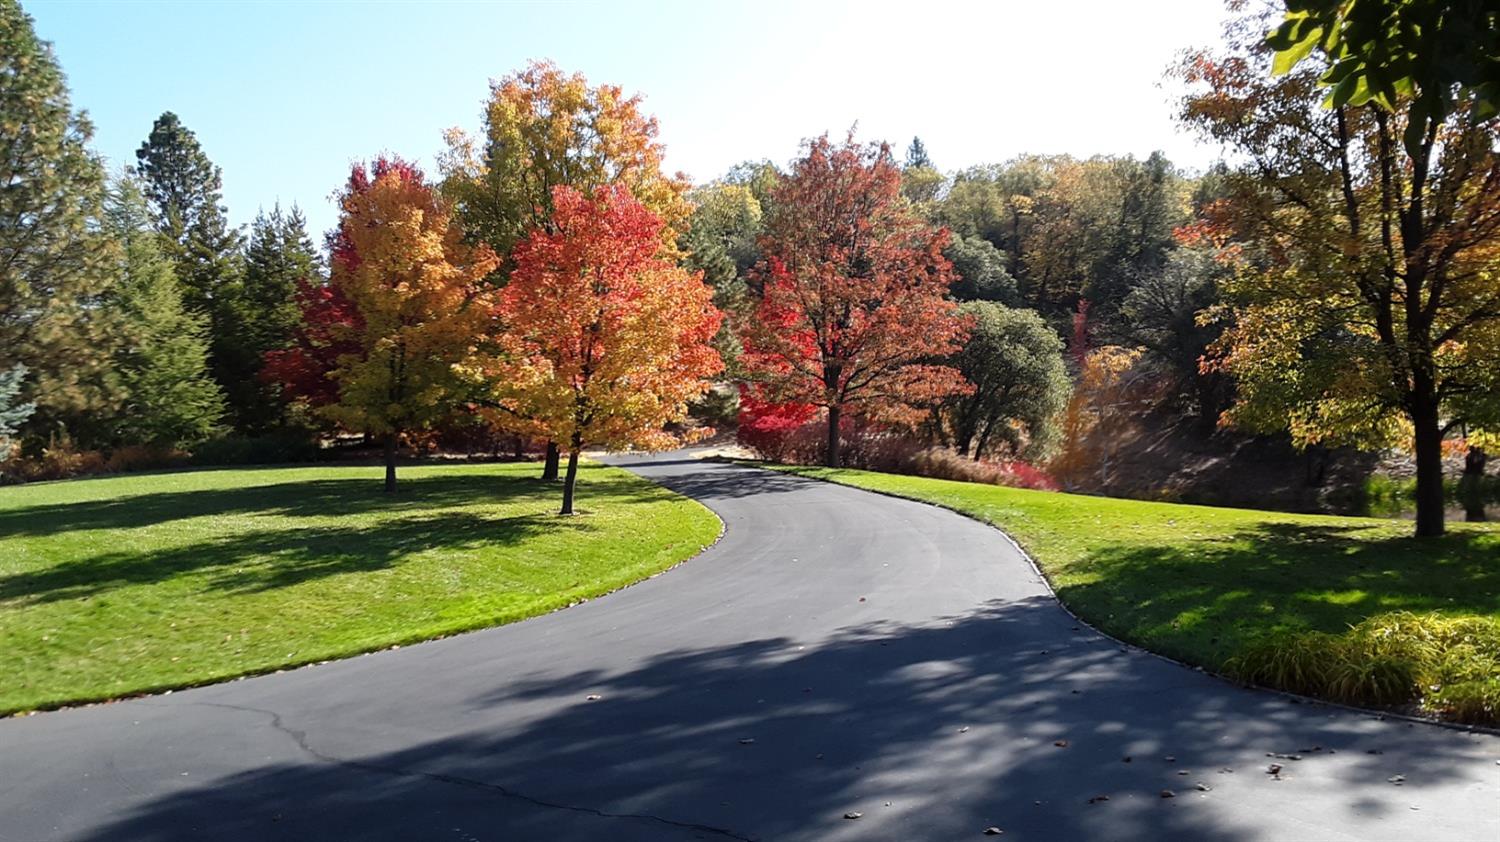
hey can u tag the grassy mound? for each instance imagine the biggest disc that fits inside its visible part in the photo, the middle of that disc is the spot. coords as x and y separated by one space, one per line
139 583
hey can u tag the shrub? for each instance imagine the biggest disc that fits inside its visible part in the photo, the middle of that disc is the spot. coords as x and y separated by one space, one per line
140 457
270 449
1448 665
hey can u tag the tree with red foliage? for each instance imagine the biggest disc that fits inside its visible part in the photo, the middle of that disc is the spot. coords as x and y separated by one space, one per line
855 299
605 339
304 369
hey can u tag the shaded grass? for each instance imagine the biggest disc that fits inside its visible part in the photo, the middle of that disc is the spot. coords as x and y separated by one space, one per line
1206 585
138 583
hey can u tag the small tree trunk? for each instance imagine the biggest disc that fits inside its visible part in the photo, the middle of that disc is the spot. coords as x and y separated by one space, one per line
1471 487
832 452
520 448
554 457
390 461
1429 447
570 480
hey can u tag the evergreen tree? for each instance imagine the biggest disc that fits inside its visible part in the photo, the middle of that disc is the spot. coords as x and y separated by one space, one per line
916 155
183 188
13 413
54 263
163 362
264 315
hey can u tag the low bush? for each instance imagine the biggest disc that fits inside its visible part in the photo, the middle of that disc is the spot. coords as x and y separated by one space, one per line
1449 666
270 449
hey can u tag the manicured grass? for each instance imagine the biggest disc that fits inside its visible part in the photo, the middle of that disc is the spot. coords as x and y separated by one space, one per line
137 583
1205 585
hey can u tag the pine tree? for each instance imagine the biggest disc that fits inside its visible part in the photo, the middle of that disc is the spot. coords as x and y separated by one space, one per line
264 314
163 363
54 263
183 189
916 155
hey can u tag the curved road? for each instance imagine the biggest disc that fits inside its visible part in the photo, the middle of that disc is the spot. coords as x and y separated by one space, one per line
837 652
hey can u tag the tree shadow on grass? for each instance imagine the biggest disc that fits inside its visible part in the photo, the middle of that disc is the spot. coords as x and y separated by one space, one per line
1206 599
933 731
278 558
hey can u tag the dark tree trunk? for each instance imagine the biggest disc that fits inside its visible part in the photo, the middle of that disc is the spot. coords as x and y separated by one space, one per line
390 461
554 458
520 448
1429 447
832 453
570 480
1471 487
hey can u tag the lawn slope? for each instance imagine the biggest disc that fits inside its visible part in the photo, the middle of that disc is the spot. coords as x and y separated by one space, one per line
1205 585
138 583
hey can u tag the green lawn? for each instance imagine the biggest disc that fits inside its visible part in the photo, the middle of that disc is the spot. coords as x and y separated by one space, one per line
136 583
1206 584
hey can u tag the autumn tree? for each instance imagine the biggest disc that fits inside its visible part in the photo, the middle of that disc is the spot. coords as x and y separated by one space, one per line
544 128
854 315
605 338
55 263
401 262
1371 311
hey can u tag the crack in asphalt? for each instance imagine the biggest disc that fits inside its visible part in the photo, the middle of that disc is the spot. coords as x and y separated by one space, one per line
300 738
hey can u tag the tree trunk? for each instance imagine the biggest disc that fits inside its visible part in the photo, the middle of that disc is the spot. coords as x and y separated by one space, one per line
1471 487
520 448
554 456
569 481
1429 447
390 461
832 453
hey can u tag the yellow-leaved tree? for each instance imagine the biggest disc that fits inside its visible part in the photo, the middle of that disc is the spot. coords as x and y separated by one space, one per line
417 304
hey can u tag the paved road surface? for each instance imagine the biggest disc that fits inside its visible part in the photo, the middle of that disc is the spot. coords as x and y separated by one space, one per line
837 652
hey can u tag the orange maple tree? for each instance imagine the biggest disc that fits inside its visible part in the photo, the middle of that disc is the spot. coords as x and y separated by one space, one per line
417 294
855 306
605 339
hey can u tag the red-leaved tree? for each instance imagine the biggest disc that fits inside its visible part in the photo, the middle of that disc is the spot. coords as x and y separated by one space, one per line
604 338
855 307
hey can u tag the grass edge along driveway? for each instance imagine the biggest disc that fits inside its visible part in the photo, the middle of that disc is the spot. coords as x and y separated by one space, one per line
134 584
1310 603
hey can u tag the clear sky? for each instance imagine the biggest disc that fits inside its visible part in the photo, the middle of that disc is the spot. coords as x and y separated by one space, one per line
283 95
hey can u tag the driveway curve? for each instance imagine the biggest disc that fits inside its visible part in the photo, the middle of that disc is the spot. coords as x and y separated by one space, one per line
837 653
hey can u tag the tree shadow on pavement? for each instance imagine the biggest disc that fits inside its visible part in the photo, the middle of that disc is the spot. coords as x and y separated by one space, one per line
1007 716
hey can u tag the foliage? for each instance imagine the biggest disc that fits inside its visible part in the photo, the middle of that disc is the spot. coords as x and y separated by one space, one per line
327 326
1448 665
1106 387
401 263
981 271
183 188
721 243
544 129
916 155
605 339
1165 314
264 314
56 262
111 587
13 413
1366 295
768 427
278 447
162 362
1416 55
1207 585
854 306
1015 362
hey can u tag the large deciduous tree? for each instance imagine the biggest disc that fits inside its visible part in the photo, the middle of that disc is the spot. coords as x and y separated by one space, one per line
605 339
854 316
401 262
544 128
1371 310
55 263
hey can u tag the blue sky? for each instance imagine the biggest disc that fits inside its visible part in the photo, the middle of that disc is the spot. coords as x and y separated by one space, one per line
284 96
